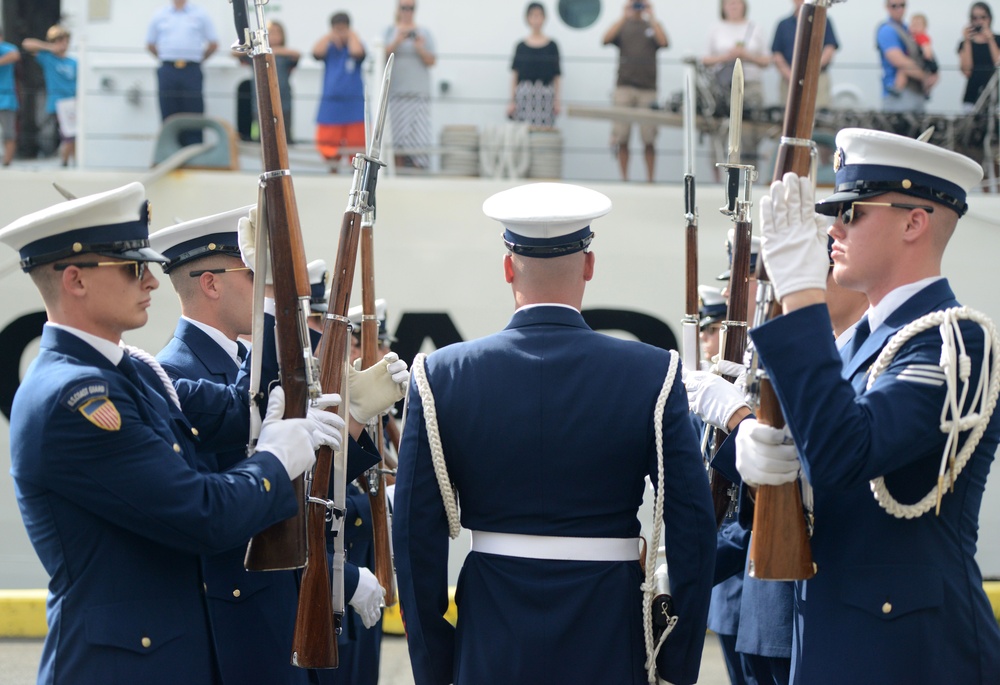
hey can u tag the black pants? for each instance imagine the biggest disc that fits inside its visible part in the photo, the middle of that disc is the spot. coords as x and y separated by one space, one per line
180 91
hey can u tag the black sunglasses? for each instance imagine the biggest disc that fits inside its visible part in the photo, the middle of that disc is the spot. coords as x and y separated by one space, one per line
138 268
195 274
847 214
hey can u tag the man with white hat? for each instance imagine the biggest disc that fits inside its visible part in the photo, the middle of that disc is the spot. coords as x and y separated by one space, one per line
547 431
897 587
103 452
253 614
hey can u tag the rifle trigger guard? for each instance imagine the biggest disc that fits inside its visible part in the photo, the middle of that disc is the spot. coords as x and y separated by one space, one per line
268 175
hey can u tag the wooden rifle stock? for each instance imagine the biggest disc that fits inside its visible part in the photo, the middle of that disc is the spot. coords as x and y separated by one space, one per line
734 344
779 547
283 545
314 643
374 480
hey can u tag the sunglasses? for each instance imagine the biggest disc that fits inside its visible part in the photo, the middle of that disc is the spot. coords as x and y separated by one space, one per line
847 215
138 268
195 274
407 8
896 5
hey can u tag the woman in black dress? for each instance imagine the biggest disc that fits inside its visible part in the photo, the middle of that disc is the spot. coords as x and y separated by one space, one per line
535 92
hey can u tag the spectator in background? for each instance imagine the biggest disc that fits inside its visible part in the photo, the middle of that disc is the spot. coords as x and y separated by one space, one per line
341 118
285 59
181 36
9 54
410 89
978 53
918 29
900 53
59 72
735 37
638 35
783 47
534 97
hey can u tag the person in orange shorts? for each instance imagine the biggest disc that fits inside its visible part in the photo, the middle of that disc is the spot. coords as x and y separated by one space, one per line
340 122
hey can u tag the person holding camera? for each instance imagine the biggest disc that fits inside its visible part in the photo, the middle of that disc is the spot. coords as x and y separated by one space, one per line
978 53
638 35
410 88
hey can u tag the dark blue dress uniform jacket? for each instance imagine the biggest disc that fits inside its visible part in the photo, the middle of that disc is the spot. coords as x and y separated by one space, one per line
894 600
252 613
120 517
547 429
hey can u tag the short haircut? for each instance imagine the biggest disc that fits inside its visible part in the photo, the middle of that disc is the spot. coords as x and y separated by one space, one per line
56 32
340 18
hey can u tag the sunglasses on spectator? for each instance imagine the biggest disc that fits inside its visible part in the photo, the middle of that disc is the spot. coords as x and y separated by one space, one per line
847 212
138 268
896 5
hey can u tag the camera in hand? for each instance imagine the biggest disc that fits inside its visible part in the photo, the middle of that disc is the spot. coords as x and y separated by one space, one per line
638 6
411 34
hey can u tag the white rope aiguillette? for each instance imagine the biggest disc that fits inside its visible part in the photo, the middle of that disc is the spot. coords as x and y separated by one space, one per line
957 367
649 585
434 441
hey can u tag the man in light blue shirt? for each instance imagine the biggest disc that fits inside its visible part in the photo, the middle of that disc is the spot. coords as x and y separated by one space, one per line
181 36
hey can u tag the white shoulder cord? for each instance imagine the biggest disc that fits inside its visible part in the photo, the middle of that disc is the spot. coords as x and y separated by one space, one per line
146 357
649 586
957 368
434 441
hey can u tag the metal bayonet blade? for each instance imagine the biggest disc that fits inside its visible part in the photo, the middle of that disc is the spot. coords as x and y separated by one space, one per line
689 122
375 147
736 114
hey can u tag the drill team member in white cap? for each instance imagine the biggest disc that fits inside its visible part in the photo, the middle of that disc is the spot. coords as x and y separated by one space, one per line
898 596
547 431
104 459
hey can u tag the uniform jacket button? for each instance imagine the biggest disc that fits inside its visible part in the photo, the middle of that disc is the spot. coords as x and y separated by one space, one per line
146 642
236 592
358 522
887 608
177 448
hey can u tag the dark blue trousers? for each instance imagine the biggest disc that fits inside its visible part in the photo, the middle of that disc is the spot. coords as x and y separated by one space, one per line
181 91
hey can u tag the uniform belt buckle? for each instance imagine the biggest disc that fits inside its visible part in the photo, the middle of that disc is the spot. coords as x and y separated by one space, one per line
180 64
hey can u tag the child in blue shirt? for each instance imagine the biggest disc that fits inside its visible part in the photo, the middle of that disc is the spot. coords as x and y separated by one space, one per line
9 54
60 84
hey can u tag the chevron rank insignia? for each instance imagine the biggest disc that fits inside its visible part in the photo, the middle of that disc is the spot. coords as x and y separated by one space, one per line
925 374
102 413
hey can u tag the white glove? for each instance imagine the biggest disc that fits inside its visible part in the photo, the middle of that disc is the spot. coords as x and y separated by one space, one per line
292 441
246 236
367 599
712 397
327 422
374 390
793 237
765 455
733 370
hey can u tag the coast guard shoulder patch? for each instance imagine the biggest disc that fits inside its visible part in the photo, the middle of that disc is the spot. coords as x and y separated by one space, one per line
90 398
102 413
925 374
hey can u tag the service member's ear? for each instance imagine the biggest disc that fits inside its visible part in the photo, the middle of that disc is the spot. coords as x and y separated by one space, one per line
918 223
72 281
209 285
508 268
588 265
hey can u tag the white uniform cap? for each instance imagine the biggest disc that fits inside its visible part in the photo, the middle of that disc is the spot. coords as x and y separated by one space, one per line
114 224
547 219
711 305
754 251
381 312
869 163
204 237
318 297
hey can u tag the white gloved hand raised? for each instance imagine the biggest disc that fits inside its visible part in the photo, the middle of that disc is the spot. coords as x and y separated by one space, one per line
712 397
374 390
765 455
293 441
793 237
246 236
367 598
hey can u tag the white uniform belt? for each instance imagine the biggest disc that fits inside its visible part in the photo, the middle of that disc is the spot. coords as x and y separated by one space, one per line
555 547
